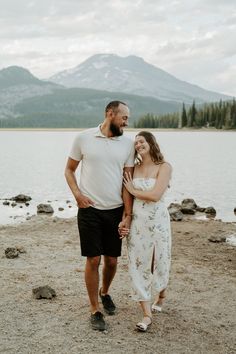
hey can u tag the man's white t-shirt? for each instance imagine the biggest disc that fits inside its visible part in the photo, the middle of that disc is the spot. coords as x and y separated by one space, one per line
102 162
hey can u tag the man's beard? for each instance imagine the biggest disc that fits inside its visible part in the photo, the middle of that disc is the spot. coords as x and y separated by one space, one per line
115 130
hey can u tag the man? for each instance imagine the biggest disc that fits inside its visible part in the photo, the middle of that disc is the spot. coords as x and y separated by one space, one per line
105 155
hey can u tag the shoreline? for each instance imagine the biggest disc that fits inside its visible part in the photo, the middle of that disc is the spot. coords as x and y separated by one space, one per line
15 211
197 315
18 220
210 130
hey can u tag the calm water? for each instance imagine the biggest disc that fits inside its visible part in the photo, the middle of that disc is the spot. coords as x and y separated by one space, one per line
32 162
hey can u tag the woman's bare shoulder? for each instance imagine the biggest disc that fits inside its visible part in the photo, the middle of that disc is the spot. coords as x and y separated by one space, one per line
166 166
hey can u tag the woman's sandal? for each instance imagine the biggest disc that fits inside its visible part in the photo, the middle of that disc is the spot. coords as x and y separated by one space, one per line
142 326
156 307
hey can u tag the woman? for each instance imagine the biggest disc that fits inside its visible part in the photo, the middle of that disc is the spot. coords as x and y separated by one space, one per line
149 239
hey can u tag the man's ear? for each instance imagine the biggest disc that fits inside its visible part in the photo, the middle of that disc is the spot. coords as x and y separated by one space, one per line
110 113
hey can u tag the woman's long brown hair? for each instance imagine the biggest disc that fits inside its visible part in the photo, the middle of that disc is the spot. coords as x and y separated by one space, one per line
155 152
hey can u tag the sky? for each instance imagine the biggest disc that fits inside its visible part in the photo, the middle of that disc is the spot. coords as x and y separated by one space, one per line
194 40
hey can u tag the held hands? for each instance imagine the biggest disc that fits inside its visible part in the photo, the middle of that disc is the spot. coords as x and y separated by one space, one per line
124 227
128 183
83 201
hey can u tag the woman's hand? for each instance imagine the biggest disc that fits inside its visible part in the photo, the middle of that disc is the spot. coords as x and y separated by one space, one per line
128 183
124 226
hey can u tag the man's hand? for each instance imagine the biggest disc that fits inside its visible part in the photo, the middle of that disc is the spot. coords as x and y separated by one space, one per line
83 201
124 226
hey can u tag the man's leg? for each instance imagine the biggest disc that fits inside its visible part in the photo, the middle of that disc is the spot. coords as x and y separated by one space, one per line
111 250
109 271
92 281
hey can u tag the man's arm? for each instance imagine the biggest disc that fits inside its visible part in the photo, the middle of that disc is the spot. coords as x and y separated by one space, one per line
71 166
126 196
124 225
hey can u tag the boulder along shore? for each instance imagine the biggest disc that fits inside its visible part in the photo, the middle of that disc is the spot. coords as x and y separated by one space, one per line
198 315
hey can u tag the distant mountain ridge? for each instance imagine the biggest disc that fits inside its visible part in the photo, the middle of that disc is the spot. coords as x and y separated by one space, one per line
80 107
26 101
17 84
133 75
16 75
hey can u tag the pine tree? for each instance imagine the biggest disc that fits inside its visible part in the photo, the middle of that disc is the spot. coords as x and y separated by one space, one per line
228 122
233 114
184 118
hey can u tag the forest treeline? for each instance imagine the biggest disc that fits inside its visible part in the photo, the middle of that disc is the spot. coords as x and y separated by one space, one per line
220 115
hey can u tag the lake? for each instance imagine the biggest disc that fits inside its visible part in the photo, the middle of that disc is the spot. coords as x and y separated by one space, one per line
32 162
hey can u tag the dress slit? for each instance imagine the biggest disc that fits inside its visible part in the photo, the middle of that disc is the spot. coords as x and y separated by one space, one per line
153 260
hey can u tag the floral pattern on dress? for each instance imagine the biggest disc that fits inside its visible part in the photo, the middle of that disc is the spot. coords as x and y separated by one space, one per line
150 234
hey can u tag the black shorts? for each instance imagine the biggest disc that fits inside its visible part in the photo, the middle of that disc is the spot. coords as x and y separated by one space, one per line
98 231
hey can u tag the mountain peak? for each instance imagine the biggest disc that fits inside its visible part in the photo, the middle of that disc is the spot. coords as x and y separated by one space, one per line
16 75
15 70
131 74
113 58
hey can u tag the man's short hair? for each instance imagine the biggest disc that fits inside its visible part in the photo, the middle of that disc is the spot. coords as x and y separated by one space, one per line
114 105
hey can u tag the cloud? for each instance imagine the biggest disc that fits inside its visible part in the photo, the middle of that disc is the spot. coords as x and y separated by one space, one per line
192 40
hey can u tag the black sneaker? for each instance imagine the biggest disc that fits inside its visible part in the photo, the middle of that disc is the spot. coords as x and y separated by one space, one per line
108 304
97 321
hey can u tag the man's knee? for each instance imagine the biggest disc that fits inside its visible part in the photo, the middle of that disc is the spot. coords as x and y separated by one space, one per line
93 262
110 262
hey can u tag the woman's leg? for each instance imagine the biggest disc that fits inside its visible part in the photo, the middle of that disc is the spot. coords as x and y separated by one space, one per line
158 302
159 299
146 308
147 316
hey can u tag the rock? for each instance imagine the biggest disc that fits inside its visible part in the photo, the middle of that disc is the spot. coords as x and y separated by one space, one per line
21 198
6 202
60 209
175 213
188 206
20 249
55 219
200 209
13 204
175 205
27 204
188 203
43 292
45 208
180 269
217 238
210 210
187 211
11 252
235 211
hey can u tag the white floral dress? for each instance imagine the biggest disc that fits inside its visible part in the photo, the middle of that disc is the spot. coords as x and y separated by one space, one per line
150 235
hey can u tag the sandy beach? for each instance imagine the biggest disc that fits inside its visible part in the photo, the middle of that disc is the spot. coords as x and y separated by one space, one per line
199 314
